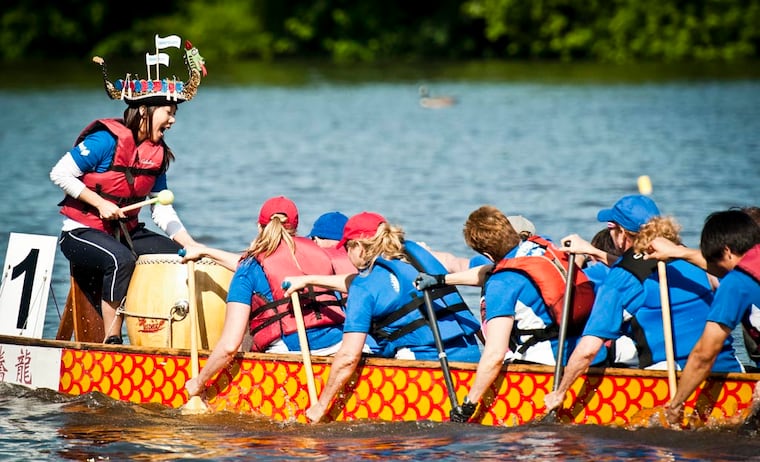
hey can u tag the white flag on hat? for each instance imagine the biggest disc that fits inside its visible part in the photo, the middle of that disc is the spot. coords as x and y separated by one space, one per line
169 41
158 58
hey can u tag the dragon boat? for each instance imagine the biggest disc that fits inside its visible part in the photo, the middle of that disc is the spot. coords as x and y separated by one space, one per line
275 385
162 356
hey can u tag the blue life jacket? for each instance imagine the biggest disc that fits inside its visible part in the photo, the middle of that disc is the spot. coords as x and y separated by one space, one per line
408 326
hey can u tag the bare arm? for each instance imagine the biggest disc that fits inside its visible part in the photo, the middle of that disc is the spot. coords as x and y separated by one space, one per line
577 365
343 366
472 277
235 322
227 259
698 366
664 249
451 262
339 282
492 358
580 246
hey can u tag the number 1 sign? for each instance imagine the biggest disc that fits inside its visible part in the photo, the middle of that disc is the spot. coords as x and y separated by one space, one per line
26 284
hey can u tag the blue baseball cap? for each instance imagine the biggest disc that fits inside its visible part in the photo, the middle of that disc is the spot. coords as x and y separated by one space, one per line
630 212
329 226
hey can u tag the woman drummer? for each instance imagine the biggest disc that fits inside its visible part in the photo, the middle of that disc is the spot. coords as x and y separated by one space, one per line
116 163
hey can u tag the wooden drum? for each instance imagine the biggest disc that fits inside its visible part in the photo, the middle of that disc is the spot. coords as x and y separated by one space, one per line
157 309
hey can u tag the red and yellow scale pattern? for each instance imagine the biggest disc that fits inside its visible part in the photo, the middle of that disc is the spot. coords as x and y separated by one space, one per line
275 386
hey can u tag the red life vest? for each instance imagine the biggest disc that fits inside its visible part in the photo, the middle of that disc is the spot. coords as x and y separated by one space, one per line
129 179
549 273
340 261
272 320
750 263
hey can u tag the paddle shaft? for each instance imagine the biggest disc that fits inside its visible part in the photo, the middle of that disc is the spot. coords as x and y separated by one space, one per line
195 369
559 368
195 403
441 351
667 327
305 353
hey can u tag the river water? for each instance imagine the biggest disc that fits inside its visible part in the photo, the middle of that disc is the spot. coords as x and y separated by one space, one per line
555 150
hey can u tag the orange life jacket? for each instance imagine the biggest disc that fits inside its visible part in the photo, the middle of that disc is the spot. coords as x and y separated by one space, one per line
549 273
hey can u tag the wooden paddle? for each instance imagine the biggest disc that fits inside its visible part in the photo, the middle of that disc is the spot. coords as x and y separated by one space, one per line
667 328
567 306
433 321
195 404
305 353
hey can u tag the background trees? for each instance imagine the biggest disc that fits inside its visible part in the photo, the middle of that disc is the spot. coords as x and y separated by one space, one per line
372 30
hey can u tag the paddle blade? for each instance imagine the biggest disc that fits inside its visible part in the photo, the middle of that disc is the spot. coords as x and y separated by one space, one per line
194 406
648 418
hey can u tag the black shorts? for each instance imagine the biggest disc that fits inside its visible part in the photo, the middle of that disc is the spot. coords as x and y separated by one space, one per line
101 263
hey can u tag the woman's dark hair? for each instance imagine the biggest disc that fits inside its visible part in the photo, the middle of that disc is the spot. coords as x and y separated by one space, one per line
132 120
602 240
728 228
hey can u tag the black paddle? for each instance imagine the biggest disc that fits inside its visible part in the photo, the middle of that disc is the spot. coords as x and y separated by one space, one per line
441 351
566 307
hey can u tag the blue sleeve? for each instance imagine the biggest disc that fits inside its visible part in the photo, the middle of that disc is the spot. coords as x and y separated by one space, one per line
359 306
736 293
95 152
160 183
501 295
249 278
621 291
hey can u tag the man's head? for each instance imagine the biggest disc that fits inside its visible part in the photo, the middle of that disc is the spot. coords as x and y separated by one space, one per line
489 232
726 237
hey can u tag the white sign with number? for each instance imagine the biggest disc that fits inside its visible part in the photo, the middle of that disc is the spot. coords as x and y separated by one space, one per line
26 283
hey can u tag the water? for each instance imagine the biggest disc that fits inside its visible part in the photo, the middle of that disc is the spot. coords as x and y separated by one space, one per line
555 152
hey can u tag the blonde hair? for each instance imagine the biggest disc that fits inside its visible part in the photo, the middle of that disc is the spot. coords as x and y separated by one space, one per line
666 227
388 243
270 237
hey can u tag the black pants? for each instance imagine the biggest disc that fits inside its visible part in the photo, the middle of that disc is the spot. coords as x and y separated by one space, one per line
102 264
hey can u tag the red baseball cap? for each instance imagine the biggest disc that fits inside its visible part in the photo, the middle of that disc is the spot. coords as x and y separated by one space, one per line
280 204
361 226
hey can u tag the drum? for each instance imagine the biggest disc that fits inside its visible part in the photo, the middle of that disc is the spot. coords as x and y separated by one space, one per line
157 311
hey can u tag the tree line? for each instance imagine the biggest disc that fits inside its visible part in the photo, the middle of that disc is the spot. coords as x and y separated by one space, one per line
374 30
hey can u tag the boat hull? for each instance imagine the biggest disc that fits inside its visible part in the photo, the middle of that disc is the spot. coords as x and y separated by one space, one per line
274 386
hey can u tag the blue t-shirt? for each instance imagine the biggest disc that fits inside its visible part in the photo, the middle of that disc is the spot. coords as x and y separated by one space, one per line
596 273
95 154
249 278
620 290
735 296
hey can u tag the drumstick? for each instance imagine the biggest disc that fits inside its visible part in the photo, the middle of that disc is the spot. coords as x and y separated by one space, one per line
165 197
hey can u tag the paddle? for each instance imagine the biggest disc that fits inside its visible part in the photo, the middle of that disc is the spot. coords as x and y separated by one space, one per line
195 404
559 368
667 328
304 342
441 351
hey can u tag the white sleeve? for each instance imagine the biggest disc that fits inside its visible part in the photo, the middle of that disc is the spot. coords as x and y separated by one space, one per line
65 174
166 218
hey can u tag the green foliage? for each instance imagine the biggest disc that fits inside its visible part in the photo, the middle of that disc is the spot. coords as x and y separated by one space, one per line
372 30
